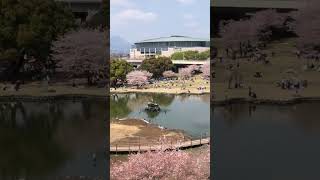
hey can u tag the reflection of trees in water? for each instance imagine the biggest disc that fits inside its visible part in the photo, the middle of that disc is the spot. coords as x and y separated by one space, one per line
28 152
184 97
122 105
8 113
232 112
152 114
119 106
164 100
305 115
28 134
86 107
26 139
89 131
138 101
205 98
21 115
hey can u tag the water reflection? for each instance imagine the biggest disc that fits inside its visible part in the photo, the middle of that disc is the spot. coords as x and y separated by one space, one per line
52 138
252 140
185 112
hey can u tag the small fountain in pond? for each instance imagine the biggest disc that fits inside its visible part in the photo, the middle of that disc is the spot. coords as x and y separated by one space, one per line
152 107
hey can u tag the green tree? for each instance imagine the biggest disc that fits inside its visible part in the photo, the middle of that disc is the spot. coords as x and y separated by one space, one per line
106 11
203 55
27 29
119 107
157 66
190 55
177 56
118 71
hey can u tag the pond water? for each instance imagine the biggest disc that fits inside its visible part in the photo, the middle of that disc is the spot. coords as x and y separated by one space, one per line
49 139
267 142
190 113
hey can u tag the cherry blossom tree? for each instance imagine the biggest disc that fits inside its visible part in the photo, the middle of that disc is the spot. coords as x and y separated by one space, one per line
205 69
138 78
306 26
193 68
258 28
266 21
185 73
169 74
235 32
164 165
82 52
147 74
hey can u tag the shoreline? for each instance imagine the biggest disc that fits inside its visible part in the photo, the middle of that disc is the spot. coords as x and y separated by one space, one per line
142 132
158 92
293 100
52 97
290 101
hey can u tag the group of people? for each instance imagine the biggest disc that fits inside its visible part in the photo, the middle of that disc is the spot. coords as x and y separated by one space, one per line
201 88
293 85
315 56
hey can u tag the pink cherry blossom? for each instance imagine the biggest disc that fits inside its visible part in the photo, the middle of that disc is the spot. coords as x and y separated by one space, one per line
138 78
164 165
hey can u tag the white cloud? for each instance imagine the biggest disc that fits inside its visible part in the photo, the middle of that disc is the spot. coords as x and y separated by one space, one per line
185 1
130 15
124 3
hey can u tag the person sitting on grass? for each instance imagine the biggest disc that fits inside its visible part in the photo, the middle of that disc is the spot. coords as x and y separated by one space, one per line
258 75
297 87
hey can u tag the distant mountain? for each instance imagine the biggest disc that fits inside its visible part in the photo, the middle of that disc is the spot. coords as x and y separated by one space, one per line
118 45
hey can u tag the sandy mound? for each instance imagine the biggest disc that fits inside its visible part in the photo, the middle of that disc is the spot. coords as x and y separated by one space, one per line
121 131
134 131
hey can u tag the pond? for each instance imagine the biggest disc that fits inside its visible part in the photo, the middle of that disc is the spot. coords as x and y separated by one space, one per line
267 142
56 138
190 113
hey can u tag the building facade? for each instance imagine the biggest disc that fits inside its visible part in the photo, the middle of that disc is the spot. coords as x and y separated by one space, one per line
166 46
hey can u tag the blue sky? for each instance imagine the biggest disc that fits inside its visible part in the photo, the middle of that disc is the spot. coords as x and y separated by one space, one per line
136 20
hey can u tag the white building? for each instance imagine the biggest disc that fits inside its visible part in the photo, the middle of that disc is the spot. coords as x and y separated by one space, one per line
166 46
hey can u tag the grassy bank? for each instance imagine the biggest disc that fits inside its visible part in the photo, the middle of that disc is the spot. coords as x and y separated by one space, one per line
170 87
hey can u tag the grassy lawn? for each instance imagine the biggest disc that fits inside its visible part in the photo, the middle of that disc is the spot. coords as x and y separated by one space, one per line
265 87
175 87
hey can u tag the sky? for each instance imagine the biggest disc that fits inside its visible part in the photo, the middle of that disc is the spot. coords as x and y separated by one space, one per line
136 20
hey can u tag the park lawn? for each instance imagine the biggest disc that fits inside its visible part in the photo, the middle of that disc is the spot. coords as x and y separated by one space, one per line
265 87
175 89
